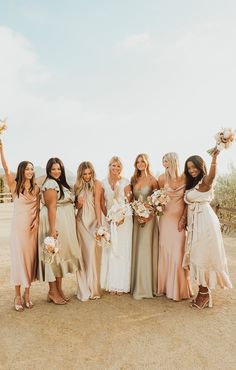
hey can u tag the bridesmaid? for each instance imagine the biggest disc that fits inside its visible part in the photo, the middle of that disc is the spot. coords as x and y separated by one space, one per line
88 195
116 260
24 228
145 239
205 254
57 219
173 279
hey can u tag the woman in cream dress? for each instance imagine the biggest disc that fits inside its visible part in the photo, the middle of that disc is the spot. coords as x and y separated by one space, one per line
116 260
57 219
173 279
205 254
145 234
24 229
88 195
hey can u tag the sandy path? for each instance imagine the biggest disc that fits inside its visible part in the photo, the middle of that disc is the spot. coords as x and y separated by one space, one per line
114 332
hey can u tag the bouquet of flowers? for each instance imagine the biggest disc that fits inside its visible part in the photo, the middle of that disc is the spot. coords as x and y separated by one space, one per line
3 126
50 249
103 237
224 139
142 210
118 212
158 200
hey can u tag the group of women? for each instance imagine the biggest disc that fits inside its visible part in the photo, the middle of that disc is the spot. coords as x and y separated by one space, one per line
147 257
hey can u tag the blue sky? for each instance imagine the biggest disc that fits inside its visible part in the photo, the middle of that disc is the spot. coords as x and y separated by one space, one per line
86 80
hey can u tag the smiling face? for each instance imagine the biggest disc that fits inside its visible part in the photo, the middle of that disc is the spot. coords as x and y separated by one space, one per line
29 172
115 169
192 169
87 175
165 163
55 171
141 164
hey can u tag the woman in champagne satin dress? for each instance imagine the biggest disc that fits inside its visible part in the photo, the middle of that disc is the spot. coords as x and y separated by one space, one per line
88 194
145 234
24 229
173 279
57 220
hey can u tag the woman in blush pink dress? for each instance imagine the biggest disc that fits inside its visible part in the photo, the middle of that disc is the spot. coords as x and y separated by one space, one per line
173 280
23 241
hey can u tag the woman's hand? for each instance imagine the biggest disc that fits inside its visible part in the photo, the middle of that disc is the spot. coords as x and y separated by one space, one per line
144 220
54 234
182 224
80 202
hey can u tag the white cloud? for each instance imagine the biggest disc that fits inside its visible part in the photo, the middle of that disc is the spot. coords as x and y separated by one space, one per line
138 41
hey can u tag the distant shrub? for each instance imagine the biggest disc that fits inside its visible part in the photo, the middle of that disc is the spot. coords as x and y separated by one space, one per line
225 196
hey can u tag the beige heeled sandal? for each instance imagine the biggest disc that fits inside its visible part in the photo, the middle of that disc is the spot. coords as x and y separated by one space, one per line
28 303
18 307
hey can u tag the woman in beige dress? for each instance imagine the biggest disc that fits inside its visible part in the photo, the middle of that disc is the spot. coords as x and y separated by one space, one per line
24 228
57 219
205 254
88 195
145 234
173 279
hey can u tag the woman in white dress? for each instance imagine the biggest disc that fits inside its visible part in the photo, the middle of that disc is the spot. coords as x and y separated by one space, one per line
116 260
204 254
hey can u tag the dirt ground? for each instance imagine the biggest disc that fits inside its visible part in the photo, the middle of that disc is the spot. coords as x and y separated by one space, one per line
114 332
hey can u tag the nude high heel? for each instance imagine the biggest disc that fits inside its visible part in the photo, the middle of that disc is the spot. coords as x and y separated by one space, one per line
18 307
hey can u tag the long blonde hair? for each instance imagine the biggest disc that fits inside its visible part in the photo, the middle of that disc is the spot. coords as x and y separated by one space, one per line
80 184
172 172
116 160
137 172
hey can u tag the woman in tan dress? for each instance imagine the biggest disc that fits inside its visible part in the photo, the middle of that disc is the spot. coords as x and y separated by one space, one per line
205 253
24 228
173 279
57 219
145 234
88 194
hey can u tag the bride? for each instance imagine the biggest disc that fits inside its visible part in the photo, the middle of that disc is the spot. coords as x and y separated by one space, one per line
116 260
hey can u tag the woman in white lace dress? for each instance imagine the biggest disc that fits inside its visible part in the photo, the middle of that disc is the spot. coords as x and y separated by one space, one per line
116 259
204 254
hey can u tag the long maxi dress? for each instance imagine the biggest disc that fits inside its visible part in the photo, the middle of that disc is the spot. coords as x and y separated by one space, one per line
144 277
116 260
86 224
70 256
173 279
205 253
23 240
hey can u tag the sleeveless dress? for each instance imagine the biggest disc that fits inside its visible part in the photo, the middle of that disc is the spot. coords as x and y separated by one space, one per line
205 254
70 252
86 224
116 267
144 253
23 240
173 279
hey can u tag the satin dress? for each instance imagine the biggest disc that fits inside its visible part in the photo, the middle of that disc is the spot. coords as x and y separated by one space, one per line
23 240
144 277
173 279
86 224
70 255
